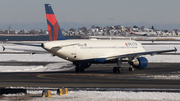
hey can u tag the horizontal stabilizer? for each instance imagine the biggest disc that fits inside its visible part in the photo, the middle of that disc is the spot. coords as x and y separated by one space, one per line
3 48
27 50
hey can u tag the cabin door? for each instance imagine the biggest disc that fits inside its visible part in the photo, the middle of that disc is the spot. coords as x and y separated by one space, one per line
74 50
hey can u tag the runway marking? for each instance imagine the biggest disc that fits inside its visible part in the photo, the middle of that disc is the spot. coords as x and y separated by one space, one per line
92 74
45 76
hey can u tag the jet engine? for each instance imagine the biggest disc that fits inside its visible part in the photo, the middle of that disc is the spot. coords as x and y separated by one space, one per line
140 63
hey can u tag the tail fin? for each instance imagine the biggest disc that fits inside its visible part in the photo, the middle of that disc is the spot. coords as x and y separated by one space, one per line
54 30
132 32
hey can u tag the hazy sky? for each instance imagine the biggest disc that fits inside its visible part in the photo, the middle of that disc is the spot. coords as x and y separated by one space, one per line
30 14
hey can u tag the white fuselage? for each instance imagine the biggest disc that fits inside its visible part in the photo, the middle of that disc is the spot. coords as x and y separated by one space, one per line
145 33
74 50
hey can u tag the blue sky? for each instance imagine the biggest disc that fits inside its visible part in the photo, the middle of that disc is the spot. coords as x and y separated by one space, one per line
30 14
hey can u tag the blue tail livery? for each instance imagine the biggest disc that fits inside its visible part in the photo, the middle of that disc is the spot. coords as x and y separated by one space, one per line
54 30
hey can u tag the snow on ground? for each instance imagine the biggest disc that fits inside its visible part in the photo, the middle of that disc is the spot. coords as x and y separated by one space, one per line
171 77
164 58
28 57
137 37
68 66
50 67
117 95
159 41
106 96
114 96
161 47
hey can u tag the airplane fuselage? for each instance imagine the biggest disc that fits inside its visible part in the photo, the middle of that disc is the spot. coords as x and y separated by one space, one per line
76 50
144 33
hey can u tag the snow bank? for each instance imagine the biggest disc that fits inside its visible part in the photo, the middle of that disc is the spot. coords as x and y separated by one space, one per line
163 58
104 95
114 96
50 67
161 47
28 57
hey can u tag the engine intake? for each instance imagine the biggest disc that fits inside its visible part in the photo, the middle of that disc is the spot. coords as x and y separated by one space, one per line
140 63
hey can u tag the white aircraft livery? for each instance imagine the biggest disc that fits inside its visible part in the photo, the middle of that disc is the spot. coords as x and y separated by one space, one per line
84 52
142 33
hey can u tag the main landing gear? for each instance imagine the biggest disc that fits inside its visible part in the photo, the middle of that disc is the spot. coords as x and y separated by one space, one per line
79 68
118 69
131 68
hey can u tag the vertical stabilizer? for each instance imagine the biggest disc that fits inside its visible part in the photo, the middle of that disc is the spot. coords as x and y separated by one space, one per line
131 31
54 30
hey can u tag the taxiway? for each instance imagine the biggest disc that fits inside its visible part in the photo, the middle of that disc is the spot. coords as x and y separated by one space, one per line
96 76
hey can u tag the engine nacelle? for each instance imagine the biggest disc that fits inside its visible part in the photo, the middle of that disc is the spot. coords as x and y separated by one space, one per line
140 63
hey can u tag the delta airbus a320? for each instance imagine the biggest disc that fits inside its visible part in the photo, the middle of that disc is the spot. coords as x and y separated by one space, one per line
84 52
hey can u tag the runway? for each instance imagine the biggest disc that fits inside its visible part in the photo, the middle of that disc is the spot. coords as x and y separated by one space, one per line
100 75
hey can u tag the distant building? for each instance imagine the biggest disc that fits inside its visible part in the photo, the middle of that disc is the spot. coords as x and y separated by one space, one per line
94 30
23 32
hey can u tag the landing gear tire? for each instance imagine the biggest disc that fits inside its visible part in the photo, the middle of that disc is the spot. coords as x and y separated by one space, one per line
77 69
131 69
82 69
115 70
119 70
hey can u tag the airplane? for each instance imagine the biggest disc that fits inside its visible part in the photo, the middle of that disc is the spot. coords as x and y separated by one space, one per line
142 33
84 52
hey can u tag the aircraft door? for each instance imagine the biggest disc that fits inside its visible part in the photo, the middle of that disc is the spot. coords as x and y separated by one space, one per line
74 51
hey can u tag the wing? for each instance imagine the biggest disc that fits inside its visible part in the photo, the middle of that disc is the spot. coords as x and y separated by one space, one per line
27 44
135 55
35 51
27 50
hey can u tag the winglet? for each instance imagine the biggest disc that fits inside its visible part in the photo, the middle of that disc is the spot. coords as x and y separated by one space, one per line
175 49
54 29
3 48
